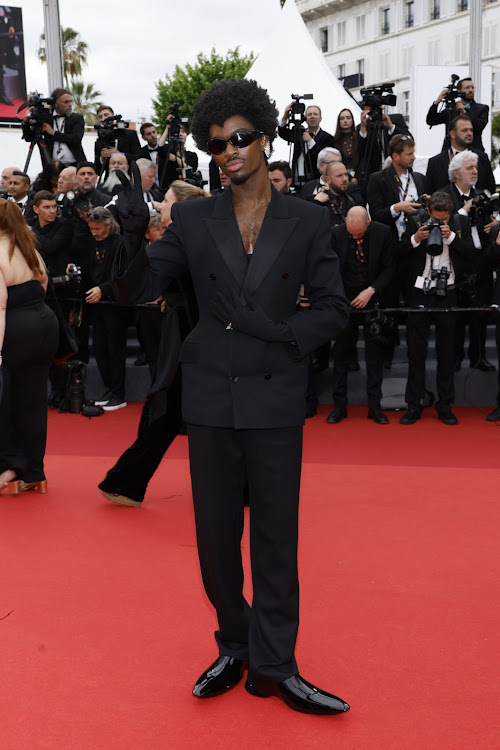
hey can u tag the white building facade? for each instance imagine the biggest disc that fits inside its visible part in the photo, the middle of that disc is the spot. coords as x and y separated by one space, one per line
367 42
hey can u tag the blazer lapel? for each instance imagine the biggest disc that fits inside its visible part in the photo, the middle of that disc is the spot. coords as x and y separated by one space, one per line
276 228
224 231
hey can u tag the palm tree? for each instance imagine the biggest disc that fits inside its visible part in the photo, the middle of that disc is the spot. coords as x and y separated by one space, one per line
74 52
85 100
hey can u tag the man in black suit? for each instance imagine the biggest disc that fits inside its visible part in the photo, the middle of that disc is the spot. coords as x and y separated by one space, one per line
154 151
463 172
123 140
461 138
373 142
280 175
367 262
477 113
54 233
148 178
334 195
19 192
62 134
305 149
244 370
434 267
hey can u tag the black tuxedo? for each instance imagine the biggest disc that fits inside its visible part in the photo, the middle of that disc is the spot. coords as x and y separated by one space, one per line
160 163
380 261
27 209
309 190
384 191
322 139
437 172
244 401
72 135
478 114
55 242
127 142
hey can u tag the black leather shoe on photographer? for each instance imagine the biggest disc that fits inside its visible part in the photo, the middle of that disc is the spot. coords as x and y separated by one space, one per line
446 416
337 415
378 416
493 416
300 695
412 415
222 675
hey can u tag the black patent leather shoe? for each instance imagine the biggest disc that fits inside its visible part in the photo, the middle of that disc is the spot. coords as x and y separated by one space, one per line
493 416
412 415
221 676
378 416
483 365
446 416
336 416
299 695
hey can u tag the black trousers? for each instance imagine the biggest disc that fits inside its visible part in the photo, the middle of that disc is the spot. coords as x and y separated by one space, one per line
417 335
221 461
343 348
31 337
109 337
135 467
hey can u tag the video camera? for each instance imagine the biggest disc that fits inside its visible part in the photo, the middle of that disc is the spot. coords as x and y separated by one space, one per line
376 97
41 111
483 206
108 129
296 115
452 93
176 123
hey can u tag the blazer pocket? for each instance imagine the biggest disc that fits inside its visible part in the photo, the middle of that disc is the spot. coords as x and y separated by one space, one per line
189 352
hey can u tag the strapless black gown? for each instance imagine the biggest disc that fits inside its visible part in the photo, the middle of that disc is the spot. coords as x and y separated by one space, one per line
31 339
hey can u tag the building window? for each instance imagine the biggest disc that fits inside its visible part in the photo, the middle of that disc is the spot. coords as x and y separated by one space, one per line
360 70
341 71
435 9
323 38
406 106
407 60
490 35
462 47
383 66
433 52
462 5
385 27
360 28
409 14
341 34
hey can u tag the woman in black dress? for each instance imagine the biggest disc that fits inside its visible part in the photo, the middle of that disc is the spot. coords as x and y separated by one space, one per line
346 140
28 340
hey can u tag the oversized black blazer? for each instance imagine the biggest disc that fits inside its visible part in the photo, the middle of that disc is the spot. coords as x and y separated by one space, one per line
478 114
381 254
231 379
74 128
437 172
383 191
461 252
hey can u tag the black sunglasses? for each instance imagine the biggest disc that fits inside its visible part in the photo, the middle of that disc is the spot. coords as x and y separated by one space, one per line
239 139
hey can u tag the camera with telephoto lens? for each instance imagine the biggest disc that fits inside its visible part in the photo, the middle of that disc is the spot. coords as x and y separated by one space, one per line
440 276
176 122
483 206
74 275
434 242
452 93
297 112
41 112
376 97
380 326
108 129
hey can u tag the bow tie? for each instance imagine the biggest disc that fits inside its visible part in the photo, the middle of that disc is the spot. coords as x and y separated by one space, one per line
153 149
21 205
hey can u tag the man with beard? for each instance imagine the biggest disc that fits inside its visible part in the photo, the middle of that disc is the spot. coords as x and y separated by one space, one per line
244 372
122 139
63 133
305 153
334 195
477 113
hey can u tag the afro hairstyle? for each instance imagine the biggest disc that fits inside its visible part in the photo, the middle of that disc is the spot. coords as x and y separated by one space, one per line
235 96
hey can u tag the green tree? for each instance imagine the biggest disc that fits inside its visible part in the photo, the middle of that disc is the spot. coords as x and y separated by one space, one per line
186 84
75 52
86 100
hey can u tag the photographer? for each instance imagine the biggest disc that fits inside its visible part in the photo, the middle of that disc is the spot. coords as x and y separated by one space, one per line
114 135
461 137
66 181
438 248
154 151
61 130
367 261
109 182
334 195
180 164
476 207
312 140
459 100
152 197
54 234
19 192
280 176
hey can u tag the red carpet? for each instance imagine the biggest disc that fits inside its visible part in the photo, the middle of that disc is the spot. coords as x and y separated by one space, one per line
399 597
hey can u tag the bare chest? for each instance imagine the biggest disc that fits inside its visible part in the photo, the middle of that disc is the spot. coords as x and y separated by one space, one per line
249 224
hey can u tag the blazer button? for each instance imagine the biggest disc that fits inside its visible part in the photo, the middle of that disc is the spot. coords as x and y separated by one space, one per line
268 376
234 378
212 277
284 275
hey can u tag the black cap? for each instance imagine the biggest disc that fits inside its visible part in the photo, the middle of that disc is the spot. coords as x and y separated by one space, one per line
82 164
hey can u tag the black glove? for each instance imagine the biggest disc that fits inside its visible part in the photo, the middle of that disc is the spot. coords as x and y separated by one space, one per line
246 316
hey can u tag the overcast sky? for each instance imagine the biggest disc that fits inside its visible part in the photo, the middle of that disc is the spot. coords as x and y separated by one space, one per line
132 46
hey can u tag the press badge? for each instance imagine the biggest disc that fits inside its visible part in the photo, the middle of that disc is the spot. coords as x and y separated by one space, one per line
419 282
